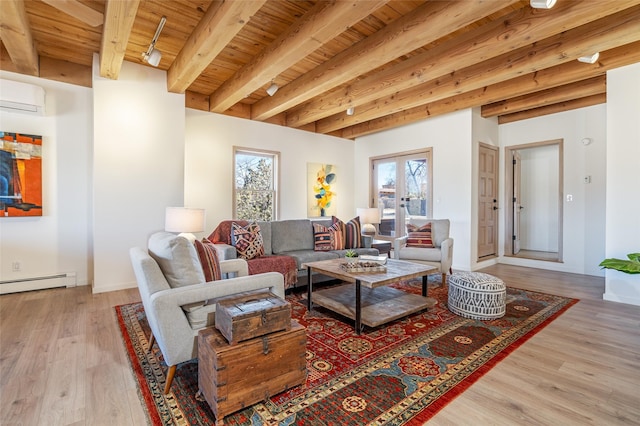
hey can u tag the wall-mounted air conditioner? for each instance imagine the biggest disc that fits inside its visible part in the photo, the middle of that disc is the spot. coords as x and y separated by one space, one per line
21 97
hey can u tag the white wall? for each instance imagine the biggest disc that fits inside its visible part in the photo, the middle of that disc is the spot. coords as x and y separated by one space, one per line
623 169
450 136
138 166
59 240
539 197
209 164
584 217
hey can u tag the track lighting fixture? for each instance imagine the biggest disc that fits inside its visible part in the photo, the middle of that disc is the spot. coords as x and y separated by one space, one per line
271 90
350 110
152 56
542 4
590 59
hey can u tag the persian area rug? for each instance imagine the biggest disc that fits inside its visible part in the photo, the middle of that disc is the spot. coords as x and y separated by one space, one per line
401 373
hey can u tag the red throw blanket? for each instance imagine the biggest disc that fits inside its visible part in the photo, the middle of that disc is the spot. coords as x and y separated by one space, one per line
286 265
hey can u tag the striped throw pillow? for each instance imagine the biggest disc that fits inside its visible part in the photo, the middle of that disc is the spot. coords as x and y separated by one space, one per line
419 236
351 232
208 259
327 238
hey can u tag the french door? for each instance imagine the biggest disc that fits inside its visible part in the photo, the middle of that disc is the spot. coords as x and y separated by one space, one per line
402 188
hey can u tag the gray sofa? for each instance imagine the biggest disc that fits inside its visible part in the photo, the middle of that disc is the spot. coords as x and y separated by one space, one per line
295 238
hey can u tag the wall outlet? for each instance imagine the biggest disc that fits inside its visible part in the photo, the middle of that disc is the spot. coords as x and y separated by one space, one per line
587 179
15 266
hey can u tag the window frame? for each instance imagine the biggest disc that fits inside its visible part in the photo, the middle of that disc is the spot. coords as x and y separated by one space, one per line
275 156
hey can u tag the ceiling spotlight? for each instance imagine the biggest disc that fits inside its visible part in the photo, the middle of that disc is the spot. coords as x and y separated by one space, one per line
542 4
271 90
152 56
590 59
351 110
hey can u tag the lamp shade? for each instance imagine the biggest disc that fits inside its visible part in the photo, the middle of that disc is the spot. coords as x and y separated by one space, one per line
183 219
369 215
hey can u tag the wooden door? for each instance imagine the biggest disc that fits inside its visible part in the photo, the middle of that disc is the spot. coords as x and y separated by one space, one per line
487 201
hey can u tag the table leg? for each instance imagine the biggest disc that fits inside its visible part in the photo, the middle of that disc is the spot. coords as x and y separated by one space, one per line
358 308
424 285
309 285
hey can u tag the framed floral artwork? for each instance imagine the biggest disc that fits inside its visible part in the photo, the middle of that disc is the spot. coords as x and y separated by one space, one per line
321 198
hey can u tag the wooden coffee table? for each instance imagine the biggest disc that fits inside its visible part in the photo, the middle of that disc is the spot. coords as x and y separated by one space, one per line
369 301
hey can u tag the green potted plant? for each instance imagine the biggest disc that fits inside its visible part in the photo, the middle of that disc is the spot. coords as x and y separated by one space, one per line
351 256
631 266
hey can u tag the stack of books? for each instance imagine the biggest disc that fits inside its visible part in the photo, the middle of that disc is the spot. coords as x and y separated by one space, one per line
380 260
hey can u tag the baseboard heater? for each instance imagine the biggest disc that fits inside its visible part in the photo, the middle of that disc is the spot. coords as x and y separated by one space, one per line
67 279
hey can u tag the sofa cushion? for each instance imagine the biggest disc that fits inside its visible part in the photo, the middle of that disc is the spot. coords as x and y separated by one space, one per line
419 236
208 256
200 315
327 238
265 230
306 256
419 253
351 231
291 235
177 258
247 240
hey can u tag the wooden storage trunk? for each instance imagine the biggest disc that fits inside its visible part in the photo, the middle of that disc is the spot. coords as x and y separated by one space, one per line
232 377
247 315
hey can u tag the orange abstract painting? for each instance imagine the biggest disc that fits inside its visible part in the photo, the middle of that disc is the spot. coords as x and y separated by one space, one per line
20 174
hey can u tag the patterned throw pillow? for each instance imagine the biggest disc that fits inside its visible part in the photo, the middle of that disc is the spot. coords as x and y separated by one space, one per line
419 236
351 232
327 238
209 259
247 240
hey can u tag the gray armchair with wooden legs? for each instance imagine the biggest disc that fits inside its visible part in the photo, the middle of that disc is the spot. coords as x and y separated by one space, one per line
177 300
439 256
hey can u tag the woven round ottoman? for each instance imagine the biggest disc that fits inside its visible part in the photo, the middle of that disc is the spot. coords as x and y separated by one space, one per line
477 295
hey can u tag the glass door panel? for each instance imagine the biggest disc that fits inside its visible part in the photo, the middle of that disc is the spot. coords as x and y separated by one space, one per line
403 189
385 183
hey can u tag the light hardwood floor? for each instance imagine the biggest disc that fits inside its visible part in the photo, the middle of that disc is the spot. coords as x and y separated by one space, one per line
63 362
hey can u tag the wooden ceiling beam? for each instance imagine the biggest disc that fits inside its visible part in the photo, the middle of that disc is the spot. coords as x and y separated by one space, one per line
606 33
215 30
579 89
554 108
78 10
325 21
17 38
424 25
516 30
118 22
543 79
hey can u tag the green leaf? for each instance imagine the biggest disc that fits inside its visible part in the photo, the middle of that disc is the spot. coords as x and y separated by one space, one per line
631 266
634 257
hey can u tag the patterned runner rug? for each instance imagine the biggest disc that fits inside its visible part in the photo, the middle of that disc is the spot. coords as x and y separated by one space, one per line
401 373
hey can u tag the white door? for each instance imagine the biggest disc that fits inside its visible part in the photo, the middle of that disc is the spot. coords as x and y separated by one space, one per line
517 206
402 188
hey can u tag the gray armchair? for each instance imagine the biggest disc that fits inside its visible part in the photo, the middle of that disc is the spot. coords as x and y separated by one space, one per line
177 312
440 256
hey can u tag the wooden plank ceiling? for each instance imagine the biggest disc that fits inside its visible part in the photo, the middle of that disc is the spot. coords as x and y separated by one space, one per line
395 62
